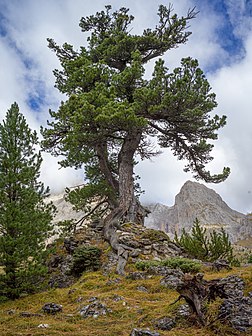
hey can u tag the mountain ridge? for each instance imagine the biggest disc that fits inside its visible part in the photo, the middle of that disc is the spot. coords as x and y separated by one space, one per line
193 200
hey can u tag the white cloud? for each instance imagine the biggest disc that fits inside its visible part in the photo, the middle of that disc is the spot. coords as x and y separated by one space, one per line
56 178
233 85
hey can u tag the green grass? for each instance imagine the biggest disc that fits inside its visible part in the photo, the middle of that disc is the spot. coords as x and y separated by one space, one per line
136 310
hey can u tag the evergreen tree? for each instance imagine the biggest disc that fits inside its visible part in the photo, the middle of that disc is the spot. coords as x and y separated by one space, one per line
207 247
112 111
24 217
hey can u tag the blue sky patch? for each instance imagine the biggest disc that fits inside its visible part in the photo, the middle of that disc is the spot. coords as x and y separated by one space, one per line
34 103
225 33
36 98
3 29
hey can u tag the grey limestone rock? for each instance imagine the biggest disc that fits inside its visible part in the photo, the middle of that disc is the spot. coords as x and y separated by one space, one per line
52 308
236 308
137 276
165 323
172 279
232 286
60 269
143 332
142 289
43 326
184 310
94 309
197 200
221 264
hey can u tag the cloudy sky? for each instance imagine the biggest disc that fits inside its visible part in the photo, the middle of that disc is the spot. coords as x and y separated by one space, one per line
221 41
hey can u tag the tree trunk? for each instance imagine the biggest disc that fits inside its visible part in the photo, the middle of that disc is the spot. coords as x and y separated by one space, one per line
112 224
129 209
128 203
102 154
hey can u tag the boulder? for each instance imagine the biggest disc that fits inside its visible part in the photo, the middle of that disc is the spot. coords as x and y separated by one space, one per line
165 323
173 279
137 276
137 239
184 310
60 271
143 332
94 309
221 264
236 308
52 308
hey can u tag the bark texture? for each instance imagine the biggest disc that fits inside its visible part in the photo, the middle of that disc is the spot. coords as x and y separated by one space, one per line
197 292
127 200
129 208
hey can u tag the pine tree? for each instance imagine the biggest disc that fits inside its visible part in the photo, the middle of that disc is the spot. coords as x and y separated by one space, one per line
112 111
25 220
207 247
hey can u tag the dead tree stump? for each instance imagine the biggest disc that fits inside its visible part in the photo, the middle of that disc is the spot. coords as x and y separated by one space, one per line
197 292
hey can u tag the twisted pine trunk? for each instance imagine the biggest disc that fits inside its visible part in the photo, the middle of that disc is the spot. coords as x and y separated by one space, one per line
129 208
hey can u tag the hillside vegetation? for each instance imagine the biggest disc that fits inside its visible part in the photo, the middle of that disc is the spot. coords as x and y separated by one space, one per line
133 304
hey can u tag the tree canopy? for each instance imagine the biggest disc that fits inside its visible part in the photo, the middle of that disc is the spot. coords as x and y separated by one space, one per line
112 111
24 217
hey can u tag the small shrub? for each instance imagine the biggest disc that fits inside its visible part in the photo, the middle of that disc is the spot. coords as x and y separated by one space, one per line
85 258
184 264
3 299
235 262
207 248
250 259
143 265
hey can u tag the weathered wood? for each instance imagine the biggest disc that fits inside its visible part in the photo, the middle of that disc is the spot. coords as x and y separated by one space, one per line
197 292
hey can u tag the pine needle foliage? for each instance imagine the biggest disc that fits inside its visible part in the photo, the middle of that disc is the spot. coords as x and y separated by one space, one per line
24 217
86 257
202 246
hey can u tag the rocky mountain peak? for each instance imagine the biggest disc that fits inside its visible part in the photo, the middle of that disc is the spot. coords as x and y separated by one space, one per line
195 200
198 193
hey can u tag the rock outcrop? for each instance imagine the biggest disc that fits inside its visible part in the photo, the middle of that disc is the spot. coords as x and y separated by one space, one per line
196 200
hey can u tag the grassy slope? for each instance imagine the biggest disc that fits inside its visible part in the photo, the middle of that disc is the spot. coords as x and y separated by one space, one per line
137 309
